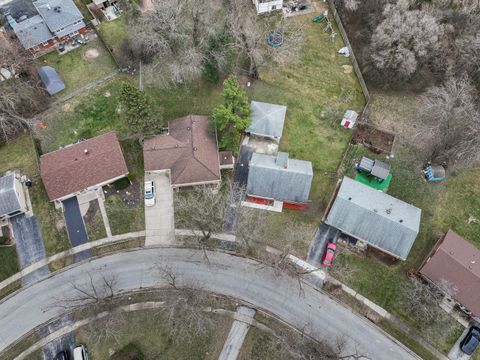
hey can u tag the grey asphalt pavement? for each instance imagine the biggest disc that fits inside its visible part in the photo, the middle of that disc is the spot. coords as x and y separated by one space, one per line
75 227
240 178
29 244
257 285
324 235
66 342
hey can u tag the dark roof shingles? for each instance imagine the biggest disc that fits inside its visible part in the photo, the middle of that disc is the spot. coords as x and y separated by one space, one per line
71 169
189 151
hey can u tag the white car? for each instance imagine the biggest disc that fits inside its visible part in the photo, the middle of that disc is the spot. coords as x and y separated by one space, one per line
80 353
149 193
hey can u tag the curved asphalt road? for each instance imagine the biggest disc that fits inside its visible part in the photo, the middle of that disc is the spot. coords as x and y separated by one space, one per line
225 274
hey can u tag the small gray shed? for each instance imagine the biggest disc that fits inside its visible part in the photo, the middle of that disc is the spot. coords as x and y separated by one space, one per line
9 201
374 217
279 178
50 78
267 119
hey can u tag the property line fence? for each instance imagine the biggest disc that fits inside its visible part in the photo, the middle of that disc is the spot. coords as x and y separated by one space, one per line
356 68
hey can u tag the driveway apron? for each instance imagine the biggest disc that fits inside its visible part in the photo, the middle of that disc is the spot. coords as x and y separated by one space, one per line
29 243
75 227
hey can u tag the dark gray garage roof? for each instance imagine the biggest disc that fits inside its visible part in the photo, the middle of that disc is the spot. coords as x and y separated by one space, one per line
267 119
50 78
31 32
279 178
379 219
8 197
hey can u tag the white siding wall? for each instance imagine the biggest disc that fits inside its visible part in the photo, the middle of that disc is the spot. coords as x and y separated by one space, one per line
267 6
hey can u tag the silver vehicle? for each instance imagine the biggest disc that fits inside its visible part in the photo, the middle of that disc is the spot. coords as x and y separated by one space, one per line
80 353
149 193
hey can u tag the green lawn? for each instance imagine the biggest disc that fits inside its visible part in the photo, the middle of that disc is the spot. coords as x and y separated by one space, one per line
113 33
8 262
148 331
316 92
76 69
95 227
129 218
20 154
97 111
444 205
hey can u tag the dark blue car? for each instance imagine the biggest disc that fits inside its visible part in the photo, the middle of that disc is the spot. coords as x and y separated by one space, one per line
470 342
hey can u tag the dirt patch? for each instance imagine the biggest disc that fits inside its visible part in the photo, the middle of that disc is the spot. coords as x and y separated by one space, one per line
371 252
376 140
67 107
347 69
131 195
91 54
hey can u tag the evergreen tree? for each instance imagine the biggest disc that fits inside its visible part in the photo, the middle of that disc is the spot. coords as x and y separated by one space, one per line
137 109
233 116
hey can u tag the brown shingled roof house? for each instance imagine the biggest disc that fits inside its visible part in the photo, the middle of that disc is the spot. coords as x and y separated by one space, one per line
457 261
86 165
189 151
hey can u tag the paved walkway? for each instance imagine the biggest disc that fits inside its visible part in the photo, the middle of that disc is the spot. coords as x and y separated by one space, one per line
159 222
237 333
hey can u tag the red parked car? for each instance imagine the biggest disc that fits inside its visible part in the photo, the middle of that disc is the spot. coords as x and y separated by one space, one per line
329 254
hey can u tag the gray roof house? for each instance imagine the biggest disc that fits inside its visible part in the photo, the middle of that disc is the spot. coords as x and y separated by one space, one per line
50 78
374 217
61 16
267 119
279 178
53 19
12 198
31 32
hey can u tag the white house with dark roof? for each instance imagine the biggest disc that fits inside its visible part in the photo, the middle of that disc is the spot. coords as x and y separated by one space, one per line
55 21
12 197
375 218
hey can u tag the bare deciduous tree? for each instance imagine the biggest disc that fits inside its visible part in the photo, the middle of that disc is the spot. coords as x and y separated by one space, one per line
451 123
250 34
172 38
20 95
185 316
95 291
421 300
351 5
206 209
404 40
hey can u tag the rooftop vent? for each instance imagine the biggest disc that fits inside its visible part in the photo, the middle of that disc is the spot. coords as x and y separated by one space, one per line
85 151
282 159
57 9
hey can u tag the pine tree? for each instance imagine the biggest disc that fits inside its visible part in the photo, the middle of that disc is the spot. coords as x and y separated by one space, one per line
233 116
137 109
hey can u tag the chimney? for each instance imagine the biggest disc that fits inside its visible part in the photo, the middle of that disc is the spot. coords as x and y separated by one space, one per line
282 160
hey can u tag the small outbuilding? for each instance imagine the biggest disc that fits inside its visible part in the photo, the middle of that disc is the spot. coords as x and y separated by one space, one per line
267 120
374 218
349 119
51 80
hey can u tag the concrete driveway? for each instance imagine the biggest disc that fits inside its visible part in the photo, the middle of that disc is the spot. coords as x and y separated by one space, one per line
455 353
75 227
159 220
29 244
